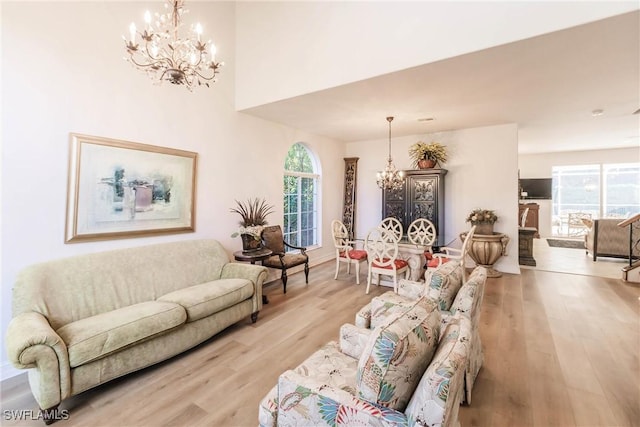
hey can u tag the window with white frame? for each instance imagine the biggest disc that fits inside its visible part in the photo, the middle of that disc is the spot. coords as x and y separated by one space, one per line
301 202
601 190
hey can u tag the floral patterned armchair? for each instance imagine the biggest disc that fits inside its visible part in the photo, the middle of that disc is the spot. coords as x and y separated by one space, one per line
452 296
403 373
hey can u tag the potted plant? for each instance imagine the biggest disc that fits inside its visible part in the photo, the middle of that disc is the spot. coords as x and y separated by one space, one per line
427 155
483 219
254 213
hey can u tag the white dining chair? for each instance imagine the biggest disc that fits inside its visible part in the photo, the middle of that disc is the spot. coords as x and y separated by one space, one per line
345 250
382 253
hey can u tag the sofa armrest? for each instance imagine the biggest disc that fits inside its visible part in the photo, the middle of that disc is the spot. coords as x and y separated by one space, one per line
353 340
255 273
410 289
32 343
363 317
307 401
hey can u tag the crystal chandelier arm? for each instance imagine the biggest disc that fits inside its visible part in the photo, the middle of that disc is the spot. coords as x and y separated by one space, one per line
155 63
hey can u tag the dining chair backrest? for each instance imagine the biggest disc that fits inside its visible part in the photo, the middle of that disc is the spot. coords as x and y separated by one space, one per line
422 232
467 243
392 225
381 246
340 234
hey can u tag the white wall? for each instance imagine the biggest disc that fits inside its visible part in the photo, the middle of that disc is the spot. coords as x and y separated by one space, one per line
352 41
62 71
540 166
482 173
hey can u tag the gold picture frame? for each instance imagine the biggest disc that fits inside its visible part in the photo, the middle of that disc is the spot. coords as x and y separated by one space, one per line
120 189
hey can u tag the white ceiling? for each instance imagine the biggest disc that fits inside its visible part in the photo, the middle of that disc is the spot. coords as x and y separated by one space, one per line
549 85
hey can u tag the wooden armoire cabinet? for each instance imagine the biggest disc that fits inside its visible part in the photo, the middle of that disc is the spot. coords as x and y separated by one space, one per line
422 196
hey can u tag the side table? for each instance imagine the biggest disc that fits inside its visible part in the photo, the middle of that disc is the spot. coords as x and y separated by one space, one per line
252 257
525 246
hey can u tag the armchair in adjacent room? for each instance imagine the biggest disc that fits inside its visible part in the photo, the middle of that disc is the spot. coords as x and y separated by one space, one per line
273 239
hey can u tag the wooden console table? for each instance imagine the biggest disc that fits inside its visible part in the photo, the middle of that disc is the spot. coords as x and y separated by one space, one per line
525 246
252 257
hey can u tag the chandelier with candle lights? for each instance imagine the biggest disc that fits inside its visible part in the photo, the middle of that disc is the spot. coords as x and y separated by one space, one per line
159 51
390 178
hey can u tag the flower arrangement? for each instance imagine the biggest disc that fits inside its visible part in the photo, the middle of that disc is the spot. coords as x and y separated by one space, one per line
254 213
482 216
427 151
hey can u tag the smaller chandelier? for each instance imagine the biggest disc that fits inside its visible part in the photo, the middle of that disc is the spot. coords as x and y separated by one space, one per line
390 178
163 55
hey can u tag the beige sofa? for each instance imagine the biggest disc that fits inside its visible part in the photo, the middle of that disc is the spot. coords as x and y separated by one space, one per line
605 238
82 321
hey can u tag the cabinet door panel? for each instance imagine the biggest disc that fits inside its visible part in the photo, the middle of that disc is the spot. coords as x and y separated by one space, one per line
395 210
424 210
423 189
397 195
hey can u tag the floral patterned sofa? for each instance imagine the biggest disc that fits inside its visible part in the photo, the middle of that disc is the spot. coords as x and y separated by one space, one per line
445 286
406 372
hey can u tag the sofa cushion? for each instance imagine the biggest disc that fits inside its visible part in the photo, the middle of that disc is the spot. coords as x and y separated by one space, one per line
469 297
328 366
445 282
208 298
357 254
386 305
289 260
397 355
438 395
100 335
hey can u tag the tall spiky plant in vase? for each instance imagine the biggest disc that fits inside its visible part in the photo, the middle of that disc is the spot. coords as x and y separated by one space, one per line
253 213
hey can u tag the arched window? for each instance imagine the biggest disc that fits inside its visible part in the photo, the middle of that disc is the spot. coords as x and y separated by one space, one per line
301 197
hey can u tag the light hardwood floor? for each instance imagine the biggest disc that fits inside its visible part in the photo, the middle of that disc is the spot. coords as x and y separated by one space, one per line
560 349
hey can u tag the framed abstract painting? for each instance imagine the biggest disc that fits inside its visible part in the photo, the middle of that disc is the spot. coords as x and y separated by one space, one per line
120 189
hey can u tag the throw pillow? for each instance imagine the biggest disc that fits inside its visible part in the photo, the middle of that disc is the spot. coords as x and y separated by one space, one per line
445 282
397 354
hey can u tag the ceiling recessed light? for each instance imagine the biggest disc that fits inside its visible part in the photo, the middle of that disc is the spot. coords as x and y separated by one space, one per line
598 112
426 119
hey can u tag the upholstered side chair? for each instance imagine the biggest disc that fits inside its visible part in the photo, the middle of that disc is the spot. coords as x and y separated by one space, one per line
273 239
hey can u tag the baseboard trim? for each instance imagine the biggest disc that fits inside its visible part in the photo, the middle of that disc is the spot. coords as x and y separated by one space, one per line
8 372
